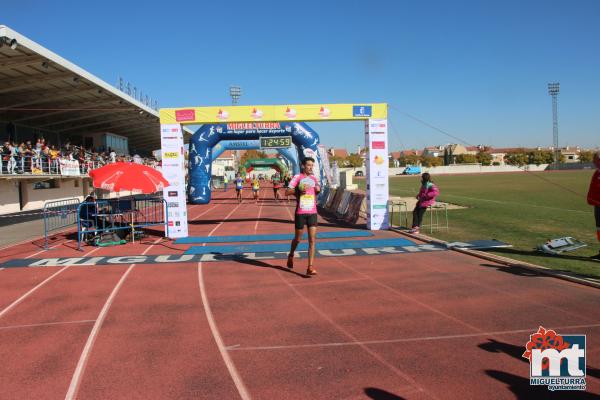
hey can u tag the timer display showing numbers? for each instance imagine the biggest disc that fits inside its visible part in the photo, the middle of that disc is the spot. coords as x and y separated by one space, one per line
275 142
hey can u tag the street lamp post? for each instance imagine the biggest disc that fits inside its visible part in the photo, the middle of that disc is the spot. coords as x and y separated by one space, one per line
553 90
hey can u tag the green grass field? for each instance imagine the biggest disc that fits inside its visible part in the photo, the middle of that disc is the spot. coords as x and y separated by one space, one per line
523 209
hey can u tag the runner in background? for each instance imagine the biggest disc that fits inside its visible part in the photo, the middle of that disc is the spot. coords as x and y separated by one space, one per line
255 188
286 183
305 187
593 198
225 182
239 185
276 186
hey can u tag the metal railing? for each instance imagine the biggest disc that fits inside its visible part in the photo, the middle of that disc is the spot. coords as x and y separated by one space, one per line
438 215
59 214
120 216
43 165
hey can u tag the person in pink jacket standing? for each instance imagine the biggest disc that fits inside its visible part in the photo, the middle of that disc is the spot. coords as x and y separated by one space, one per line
425 198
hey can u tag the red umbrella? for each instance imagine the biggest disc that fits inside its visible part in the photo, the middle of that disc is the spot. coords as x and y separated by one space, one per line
128 176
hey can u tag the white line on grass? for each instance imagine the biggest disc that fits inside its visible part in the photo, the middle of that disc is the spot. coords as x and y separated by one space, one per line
515 202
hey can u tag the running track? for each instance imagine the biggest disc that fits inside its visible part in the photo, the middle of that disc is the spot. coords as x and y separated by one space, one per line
438 325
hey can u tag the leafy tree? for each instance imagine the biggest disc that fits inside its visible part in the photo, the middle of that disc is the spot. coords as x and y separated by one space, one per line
586 156
517 158
411 159
466 159
484 158
537 157
252 154
430 161
341 161
354 160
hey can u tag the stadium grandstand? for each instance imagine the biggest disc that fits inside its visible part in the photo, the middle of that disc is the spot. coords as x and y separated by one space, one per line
59 121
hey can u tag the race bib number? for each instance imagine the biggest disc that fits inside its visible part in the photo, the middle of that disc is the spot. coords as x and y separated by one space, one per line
307 202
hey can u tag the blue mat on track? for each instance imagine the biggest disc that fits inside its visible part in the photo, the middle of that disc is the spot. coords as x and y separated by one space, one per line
267 238
276 247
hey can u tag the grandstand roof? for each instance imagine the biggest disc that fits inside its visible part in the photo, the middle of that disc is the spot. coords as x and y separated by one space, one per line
42 90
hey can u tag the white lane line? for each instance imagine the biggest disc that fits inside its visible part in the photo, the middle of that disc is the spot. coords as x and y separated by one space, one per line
210 209
76 379
235 376
407 297
401 340
53 247
237 379
83 321
20 299
333 281
259 212
85 354
346 333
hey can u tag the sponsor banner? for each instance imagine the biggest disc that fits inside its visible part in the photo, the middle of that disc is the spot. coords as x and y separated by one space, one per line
69 167
215 257
377 173
173 169
269 113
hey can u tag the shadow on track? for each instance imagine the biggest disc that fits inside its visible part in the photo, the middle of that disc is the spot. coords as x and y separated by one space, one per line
379 394
256 263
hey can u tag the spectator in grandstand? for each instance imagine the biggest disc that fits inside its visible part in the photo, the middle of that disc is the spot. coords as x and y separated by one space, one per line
14 156
6 155
593 198
137 159
36 160
425 198
112 155
54 160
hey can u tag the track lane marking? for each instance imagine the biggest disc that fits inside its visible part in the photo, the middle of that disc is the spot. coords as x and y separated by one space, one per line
233 372
399 340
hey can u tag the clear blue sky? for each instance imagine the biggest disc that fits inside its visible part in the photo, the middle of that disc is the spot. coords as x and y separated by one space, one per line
476 69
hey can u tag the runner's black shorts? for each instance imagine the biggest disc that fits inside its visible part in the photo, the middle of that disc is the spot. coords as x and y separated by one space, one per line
305 219
238 189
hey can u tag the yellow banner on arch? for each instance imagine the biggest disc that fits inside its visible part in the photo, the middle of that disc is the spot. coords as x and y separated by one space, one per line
273 113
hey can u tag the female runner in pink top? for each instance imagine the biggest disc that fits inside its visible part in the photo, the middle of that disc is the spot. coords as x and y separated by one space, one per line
306 188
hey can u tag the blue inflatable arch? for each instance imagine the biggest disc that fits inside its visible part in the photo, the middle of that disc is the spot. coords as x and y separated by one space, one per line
207 137
287 153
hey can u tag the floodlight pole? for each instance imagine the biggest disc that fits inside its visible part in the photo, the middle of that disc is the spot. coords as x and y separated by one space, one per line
235 92
553 90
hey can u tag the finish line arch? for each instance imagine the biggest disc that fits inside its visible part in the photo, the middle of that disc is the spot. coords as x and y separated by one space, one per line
274 163
172 119
208 136
287 153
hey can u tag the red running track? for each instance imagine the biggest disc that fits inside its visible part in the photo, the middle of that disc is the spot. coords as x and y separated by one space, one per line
439 325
